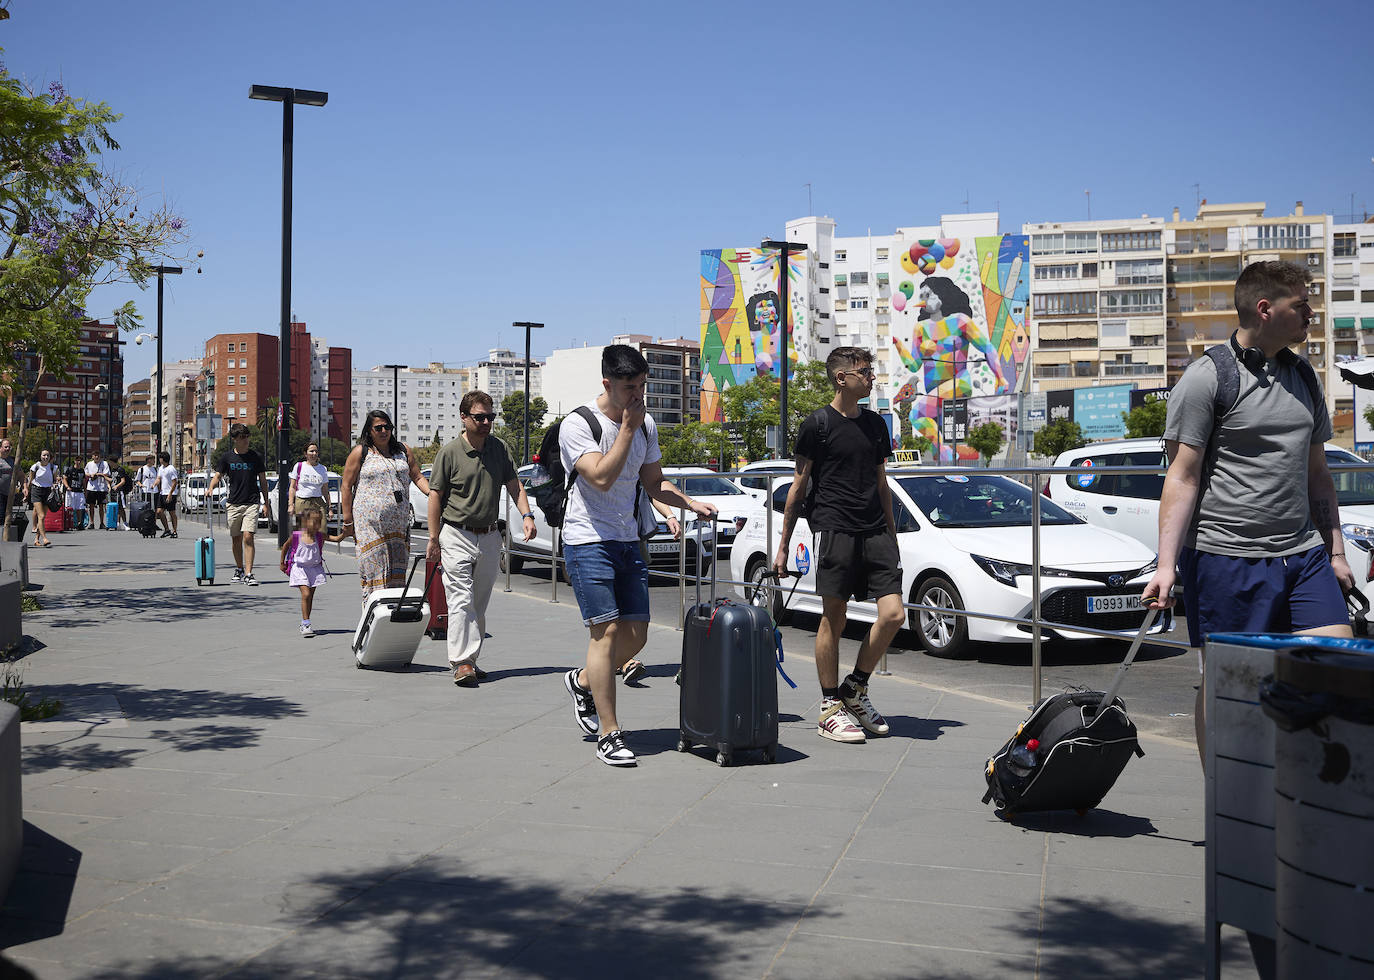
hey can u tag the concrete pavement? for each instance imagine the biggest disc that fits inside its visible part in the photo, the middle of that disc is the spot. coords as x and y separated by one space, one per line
225 798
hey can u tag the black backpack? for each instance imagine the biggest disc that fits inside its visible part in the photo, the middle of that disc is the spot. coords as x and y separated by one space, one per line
822 418
1229 394
552 497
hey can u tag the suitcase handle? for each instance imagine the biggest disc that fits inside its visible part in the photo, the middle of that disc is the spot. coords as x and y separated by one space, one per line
403 600
1120 677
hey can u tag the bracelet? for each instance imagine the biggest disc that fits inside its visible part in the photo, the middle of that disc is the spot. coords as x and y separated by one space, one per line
530 515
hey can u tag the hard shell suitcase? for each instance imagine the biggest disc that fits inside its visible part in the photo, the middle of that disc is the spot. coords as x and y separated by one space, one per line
392 625
438 601
205 553
69 519
54 520
111 515
729 686
1068 754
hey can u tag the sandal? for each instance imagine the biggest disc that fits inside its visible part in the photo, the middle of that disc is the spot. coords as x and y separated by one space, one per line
632 671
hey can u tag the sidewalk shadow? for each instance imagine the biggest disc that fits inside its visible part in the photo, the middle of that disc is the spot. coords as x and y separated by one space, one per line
656 741
39 898
392 921
508 673
73 609
925 729
1095 823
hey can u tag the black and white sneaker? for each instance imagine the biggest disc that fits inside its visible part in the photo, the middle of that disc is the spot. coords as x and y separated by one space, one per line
237 578
583 705
612 750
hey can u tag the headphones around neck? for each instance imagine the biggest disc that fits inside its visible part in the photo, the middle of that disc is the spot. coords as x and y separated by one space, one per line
1252 357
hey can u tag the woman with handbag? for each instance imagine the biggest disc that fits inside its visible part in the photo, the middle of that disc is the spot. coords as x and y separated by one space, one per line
44 486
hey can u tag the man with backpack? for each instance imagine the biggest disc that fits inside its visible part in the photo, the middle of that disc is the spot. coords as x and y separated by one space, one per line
608 448
464 499
1248 517
841 482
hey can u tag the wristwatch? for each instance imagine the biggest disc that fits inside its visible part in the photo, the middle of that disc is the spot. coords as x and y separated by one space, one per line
530 515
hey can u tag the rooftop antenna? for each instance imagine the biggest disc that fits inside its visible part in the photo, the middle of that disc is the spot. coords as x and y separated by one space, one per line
809 210
965 200
1089 195
1197 197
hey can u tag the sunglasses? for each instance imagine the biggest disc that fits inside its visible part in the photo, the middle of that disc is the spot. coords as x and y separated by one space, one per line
862 372
382 427
482 416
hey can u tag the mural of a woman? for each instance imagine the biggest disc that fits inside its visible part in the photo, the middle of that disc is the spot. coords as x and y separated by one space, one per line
764 312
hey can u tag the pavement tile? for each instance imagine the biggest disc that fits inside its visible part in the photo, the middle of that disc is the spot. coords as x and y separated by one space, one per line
1019 854
1171 893
807 851
65 826
331 829
894 960
141 860
971 887
172 827
237 901
94 800
58 898
669 873
248 803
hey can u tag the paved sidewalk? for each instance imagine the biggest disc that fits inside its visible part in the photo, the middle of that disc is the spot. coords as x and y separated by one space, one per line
235 800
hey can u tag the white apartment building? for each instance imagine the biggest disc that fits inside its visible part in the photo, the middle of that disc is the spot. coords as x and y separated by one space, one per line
173 372
1097 303
424 401
572 377
503 372
1351 284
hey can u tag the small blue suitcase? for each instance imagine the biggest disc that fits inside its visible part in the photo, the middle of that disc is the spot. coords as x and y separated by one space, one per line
205 561
111 515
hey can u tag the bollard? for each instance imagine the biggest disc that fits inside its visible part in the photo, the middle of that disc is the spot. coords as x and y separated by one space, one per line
1035 588
554 559
506 543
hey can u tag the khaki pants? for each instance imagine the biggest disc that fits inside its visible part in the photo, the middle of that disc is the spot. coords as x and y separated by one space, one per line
471 562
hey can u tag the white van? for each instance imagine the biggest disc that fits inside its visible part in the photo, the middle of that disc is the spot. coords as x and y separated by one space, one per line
1129 503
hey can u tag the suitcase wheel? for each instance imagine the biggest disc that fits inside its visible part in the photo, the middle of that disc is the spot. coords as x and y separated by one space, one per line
682 744
770 754
723 760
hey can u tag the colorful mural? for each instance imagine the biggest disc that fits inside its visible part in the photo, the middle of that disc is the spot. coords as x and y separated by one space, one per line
741 314
965 313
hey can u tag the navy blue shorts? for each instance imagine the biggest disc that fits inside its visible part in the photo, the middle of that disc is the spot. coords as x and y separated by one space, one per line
610 580
1259 595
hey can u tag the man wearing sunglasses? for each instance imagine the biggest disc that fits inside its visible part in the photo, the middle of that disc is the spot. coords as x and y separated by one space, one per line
841 453
247 474
464 499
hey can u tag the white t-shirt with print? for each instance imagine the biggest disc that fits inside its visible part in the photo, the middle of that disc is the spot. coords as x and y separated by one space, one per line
167 475
591 514
97 476
310 480
147 478
43 476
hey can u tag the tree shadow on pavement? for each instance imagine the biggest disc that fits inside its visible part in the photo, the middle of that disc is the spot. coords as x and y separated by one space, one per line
1095 937
76 609
380 923
40 896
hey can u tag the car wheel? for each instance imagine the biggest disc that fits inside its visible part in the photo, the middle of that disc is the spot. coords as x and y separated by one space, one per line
758 592
563 567
941 634
413 522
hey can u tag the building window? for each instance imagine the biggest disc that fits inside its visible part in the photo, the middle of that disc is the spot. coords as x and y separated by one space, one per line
1130 241
1057 271
1058 304
1064 243
858 304
243 412
1342 295
1139 272
1343 245
1133 301
841 255
243 379
232 348
231 379
858 278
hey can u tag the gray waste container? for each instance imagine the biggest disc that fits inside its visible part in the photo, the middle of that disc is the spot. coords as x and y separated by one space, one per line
1321 698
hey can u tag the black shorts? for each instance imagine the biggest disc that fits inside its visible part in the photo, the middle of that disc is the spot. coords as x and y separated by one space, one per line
167 502
95 499
859 566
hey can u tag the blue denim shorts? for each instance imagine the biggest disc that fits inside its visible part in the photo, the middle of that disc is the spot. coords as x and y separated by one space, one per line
610 581
1259 595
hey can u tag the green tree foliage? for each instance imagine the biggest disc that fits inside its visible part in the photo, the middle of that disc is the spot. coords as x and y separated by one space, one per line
1059 436
37 440
66 226
512 427
697 444
988 439
1147 420
753 406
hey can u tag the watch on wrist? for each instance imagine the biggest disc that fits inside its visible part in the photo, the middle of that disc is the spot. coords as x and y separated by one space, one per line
530 515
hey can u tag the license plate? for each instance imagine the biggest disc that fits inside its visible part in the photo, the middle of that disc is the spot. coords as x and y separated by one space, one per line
1114 603
662 547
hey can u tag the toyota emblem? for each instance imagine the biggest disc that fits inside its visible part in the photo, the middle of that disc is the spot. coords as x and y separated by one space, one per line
1116 581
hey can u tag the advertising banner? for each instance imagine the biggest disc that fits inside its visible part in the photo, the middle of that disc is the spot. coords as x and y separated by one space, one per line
1098 411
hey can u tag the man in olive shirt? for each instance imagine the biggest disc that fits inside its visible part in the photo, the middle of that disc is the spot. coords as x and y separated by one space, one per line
464 497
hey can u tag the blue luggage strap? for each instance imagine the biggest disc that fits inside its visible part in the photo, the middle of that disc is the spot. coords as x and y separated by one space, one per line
777 640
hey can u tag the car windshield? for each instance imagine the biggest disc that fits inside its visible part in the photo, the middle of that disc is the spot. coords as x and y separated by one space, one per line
981 500
1351 488
706 486
195 483
334 484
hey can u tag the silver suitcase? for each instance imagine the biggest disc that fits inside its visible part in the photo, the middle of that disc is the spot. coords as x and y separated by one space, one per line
392 625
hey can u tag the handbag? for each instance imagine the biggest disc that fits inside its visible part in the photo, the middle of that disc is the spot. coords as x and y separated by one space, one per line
645 516
56 498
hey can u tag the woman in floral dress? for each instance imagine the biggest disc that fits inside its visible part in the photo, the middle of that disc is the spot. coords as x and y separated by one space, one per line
375 500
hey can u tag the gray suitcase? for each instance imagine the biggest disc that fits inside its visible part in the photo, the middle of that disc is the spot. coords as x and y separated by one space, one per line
392 625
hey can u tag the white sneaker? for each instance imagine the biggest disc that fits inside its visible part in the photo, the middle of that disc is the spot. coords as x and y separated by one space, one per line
861 708
838 724
306 630
612 750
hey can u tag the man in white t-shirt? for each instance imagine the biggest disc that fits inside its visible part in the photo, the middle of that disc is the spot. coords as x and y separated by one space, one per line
97 488
167 480
601 537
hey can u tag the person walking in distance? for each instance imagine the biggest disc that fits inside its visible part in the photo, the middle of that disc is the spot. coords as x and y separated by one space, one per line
97 488
464 497
7 482
167 481
147 480
601 536
43 475
841 474
1248 518
247 499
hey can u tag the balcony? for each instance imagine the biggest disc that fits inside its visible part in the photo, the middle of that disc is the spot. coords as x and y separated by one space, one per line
1147 340
1130 370
1284 244
1215 273
1206 304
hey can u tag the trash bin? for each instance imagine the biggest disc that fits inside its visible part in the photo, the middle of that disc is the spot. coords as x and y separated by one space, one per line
1321 698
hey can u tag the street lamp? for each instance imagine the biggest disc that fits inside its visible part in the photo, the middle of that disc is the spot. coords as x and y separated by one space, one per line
161 270
396 397
62 428
525 456
289 99
784 267
319 412
103 388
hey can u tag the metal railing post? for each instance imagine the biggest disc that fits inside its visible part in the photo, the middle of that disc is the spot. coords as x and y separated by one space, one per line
1035 587
682 568
554 559
507 543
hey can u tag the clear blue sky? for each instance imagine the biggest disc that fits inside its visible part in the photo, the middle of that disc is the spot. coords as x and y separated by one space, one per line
561 162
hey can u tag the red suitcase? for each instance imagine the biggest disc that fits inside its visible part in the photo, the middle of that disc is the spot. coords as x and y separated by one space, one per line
68 519
438 603
52 521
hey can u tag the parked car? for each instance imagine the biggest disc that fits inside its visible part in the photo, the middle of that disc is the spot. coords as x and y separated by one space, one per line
754 476
191 496
419 502
732 503
965 543
1129 503
335 518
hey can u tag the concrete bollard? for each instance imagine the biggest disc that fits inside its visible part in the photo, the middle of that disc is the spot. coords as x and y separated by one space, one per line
15 555
11 805
11 610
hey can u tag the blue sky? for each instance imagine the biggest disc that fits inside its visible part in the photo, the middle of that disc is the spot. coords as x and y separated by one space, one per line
484 163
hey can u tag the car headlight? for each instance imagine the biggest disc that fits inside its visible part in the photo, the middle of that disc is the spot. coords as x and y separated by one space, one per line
1357 530
1148 569
1006 571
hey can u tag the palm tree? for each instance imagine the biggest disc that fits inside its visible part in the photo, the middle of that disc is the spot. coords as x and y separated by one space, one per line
267 421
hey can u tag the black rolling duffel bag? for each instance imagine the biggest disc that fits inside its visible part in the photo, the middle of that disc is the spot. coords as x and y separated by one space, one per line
1068 754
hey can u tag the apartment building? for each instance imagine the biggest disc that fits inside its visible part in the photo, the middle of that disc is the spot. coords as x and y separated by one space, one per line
1351 299
572 377
83 413
1097 303
423 402
1207 253
138 420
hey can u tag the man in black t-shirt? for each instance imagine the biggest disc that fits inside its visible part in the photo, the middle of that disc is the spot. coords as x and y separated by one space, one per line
841 452
247 475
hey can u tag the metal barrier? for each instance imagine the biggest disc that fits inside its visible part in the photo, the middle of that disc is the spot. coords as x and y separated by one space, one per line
1036 623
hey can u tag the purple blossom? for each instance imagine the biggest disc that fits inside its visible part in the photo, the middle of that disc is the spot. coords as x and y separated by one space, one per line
57 92
175 224
58 158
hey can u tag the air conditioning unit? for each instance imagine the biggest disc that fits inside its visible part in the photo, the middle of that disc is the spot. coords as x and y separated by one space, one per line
1314 348
1314 260
1173 293
1315 289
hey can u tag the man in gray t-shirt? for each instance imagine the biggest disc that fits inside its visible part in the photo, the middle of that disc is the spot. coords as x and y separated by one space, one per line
1248 518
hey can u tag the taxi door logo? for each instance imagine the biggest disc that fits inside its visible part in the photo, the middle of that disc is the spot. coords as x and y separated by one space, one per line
803 559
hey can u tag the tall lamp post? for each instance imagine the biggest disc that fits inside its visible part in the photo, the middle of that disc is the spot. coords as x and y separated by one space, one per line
161 270
396 397
786 250
289 99
319 413
525 456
